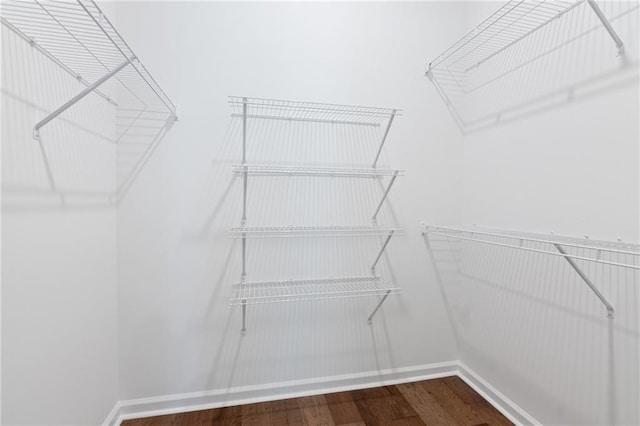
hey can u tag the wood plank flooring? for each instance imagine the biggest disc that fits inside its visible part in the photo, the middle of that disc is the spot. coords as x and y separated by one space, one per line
448 401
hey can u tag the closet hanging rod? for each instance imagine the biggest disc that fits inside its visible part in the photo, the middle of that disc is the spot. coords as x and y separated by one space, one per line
611 247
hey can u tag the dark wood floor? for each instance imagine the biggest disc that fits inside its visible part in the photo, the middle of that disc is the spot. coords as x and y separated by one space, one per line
448 401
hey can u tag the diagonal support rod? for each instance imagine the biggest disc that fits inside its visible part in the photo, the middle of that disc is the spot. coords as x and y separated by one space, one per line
607 25
85 92
384 196
244 316
384 246
384 138
610 310
378 306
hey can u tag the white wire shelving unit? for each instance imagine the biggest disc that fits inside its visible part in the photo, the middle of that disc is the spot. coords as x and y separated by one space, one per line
517 44
573 250
78 36
245 292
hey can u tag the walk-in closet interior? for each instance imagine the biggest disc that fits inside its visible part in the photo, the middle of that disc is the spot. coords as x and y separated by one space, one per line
320 213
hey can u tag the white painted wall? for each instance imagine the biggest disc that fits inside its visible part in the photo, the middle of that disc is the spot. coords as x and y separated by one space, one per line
176 263
59 302
526 322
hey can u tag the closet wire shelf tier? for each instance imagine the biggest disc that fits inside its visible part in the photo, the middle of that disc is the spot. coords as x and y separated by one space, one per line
313 231
573 250
492 63
277 109
78 37
313 289
274 170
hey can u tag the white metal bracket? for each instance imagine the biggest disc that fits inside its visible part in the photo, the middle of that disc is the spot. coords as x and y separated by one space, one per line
384 138
72 101
378 306
610 310
607 25
382 249
384 197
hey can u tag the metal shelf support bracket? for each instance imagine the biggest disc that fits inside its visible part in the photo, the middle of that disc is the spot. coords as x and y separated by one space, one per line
384 138
244 317
384 246
607 25
610 310
384 196
378 306
72 101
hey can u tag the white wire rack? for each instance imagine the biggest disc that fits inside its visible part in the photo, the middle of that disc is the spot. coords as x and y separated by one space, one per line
275 170
313 231
299 290
247 109
616 254
526 52
277 109
78 37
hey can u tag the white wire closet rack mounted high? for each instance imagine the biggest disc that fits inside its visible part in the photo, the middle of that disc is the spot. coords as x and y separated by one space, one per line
78 37
529 52
573 250
246 292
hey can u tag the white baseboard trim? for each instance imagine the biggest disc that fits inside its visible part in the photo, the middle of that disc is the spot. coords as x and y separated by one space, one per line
112 417
194 401
496 398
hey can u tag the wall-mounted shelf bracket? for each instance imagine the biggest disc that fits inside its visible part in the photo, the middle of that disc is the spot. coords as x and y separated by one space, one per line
384 197
610 310
607 25
75 99
384 138
378 306
244 317
382 249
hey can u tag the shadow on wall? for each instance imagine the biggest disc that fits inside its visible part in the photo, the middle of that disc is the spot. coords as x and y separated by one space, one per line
532 318
513 69
73 165
322 335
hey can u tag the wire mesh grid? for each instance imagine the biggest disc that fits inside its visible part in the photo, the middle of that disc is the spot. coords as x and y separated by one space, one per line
528 52
618 254
276 109
312 231
82 40
314 289
274 170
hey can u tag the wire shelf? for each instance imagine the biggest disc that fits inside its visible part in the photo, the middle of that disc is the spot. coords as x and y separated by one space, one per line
312 231
529 53
277 109
315 289
80 38
273 170
603 252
